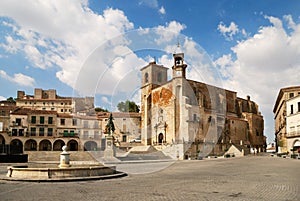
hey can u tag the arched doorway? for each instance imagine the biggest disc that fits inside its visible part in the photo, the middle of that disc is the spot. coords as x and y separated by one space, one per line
2 140
16 146
73 145
57 145
45 145
30 145
296 146
160 138
90 146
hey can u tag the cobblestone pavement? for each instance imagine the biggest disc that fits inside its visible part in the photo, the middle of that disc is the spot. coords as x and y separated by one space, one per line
247 178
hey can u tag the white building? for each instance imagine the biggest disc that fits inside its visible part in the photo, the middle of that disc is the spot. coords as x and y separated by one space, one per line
293 124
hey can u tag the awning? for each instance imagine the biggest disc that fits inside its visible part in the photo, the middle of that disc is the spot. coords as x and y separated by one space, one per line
297 144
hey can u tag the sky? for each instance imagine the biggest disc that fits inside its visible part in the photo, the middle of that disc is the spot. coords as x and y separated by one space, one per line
96 48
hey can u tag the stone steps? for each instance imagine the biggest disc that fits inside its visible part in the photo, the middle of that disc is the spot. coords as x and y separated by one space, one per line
55 156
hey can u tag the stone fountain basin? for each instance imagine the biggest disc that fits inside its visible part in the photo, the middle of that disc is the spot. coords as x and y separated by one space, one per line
27 173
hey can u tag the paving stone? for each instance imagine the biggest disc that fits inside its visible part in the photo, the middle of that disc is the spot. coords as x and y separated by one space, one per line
246 178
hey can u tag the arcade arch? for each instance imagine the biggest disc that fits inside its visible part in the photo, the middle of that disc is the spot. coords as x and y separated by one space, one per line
45 145
90 146
30 145
58 144
73 145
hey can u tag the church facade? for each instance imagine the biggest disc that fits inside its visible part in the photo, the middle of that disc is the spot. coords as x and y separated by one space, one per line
191 119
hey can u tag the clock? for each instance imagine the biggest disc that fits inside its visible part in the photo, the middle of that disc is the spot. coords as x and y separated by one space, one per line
178 72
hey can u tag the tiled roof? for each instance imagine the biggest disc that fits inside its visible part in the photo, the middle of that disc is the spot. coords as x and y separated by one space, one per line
25 111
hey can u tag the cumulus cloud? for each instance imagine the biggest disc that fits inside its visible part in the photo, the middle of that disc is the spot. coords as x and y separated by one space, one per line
262 64
51 35
69 40
229 31
18 78
162 10
169 32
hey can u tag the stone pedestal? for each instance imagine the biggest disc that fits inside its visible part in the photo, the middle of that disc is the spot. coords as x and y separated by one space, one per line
64 158
109 151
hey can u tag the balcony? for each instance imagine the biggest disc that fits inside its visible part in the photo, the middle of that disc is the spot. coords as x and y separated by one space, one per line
68 134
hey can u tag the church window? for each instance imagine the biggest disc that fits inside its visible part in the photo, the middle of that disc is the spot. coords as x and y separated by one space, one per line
159 77
146 77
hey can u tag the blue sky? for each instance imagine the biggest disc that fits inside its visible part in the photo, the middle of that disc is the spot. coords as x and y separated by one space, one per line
96 48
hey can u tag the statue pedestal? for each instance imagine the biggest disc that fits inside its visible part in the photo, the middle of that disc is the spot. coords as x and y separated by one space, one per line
109 151
64 158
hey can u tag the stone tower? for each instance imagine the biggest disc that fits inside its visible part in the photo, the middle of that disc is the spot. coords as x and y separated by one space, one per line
153 76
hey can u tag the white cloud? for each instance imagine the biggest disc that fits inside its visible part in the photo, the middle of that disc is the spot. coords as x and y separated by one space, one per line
2 98
169 32
162 10
18 78
51 35
228 32
93 53
264 63
104 99
149 3
291 23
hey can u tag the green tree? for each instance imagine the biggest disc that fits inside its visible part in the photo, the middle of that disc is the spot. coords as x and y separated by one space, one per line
99 109
11 99
128 106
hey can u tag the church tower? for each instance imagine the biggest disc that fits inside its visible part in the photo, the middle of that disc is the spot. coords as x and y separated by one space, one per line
153 76
179 66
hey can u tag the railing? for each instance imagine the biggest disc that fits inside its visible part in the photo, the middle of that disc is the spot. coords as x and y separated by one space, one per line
293 134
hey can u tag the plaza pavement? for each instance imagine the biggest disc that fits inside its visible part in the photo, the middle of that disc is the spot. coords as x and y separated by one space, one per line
246 178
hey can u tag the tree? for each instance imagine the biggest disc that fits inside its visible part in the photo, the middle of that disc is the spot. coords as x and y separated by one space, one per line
128 106
11 99
99 109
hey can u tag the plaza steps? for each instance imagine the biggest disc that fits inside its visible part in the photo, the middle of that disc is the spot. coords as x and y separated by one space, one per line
144 153
55 156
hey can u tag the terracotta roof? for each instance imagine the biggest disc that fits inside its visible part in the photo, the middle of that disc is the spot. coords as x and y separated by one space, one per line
25 111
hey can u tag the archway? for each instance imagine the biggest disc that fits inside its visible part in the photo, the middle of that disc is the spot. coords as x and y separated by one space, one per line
45 145
16 146
57 145
160 138
30 145
2 140
90 146
296 146
73 145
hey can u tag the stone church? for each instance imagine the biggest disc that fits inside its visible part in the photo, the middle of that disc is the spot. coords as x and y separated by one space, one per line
191 119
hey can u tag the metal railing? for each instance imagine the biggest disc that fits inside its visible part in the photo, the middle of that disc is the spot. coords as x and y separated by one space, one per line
293 134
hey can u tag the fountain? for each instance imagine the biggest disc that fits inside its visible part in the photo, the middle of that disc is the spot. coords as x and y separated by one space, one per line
64 171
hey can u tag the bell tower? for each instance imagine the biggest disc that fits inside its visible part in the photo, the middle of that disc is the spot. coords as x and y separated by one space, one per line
179 66
153 76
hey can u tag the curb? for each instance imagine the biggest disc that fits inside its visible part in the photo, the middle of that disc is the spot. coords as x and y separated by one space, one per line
68 179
